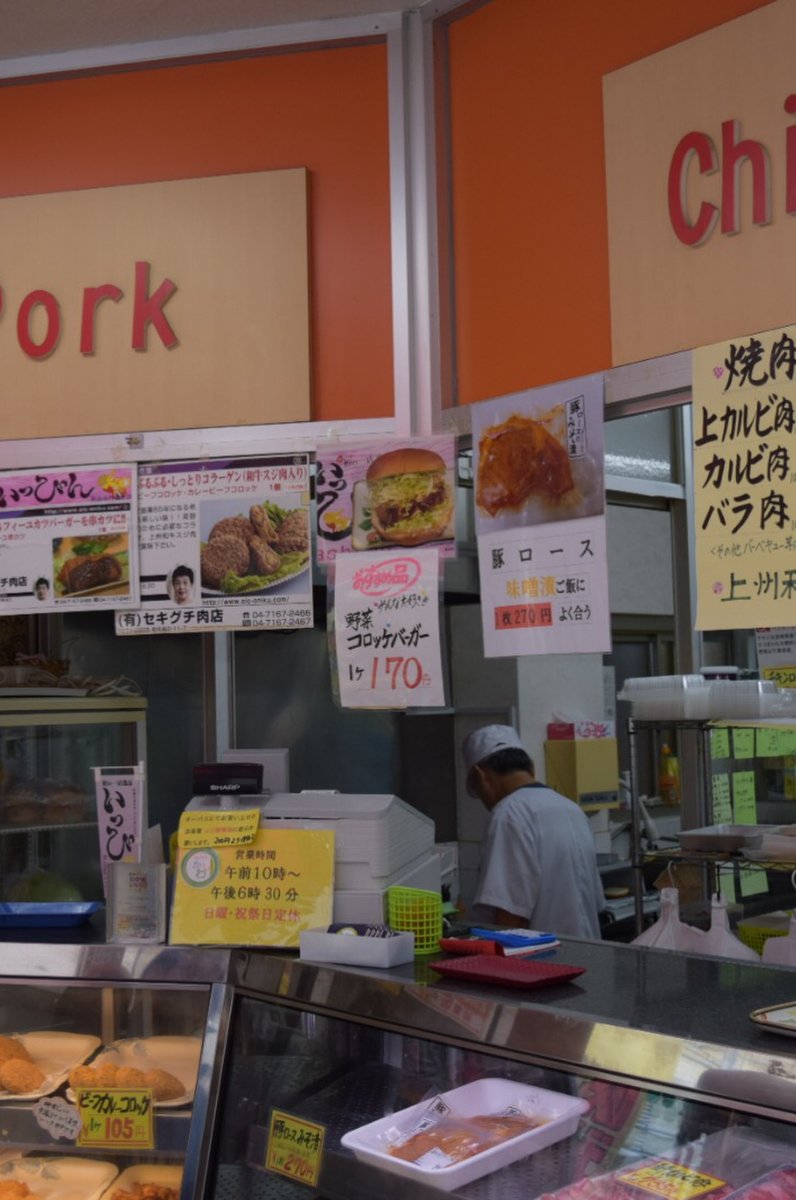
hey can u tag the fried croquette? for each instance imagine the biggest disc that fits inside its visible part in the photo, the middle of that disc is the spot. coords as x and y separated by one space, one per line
130 1077
20 1075
12 1189
264 559
239 527
11 1047
262 523
293 532
164 1085
221 554
82 1077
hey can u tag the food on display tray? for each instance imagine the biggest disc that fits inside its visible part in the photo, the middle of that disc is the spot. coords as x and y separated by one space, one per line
167 1065
43 1062
146 1181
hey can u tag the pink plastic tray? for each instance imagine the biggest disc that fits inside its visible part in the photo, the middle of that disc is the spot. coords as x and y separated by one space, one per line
508 972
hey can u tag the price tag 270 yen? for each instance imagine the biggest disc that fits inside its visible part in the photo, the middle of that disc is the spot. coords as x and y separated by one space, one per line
116 1117
295 1148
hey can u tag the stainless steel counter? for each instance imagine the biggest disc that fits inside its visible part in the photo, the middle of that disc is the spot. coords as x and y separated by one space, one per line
664 1019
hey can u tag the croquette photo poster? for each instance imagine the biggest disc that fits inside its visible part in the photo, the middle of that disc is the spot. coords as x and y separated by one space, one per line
401 493
224 544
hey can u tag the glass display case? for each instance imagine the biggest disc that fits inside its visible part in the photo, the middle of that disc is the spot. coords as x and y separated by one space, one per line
49 848
314 1079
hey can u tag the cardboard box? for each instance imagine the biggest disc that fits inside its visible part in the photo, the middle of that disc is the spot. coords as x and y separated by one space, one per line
576 730
585 770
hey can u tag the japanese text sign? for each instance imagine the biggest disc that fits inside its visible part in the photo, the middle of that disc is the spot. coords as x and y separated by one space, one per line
261 894
539 519
120 815
295 1147
544 589
118 1118
217 828
744 480
776 655
400 493
68 539
671 1180
386 630
225 544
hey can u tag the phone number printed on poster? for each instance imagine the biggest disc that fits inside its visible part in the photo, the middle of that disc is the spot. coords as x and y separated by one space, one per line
225 544
68 539
386 623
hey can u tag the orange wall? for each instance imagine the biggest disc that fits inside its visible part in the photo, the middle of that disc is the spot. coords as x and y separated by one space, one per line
528 178
325 110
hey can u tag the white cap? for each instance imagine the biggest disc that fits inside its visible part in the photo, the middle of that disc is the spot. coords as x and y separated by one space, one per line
482 743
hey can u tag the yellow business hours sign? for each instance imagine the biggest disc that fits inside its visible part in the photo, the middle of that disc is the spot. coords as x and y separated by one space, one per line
241 885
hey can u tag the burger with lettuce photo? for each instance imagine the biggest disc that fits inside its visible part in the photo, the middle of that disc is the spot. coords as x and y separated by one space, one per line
410 497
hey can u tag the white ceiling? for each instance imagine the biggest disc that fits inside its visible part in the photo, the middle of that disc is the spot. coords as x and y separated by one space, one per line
30 28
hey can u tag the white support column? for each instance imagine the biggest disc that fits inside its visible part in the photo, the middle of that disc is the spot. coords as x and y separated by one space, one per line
414 226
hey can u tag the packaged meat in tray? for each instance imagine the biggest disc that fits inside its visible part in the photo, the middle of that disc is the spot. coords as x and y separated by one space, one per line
730 1165
467 1132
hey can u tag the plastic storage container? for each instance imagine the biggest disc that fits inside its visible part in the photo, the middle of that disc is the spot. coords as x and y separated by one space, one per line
481 1098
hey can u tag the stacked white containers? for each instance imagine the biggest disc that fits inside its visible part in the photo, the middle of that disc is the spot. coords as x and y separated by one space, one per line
380 842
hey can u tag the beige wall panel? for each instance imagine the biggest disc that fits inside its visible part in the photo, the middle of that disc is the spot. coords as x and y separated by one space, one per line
235 246
666 296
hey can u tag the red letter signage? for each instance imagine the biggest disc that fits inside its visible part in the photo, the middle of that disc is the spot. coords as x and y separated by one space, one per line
147 309
692 144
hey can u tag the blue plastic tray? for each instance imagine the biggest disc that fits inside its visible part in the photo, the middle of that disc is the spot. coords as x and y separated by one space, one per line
52 915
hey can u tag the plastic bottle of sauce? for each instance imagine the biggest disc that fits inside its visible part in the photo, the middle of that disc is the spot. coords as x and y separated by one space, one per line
669 777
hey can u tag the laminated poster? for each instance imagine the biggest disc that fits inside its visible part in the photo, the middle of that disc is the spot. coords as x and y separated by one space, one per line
400 494
744 439
224 544
68 539
538 462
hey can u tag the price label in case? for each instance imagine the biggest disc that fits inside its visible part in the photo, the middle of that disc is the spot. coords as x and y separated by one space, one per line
116 1118
295 1148
671 1180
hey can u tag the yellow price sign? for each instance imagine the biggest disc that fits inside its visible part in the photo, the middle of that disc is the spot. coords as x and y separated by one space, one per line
116 1118
671 1180
295 1148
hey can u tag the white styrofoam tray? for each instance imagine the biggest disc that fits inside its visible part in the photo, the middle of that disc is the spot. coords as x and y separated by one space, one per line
480 1098
320 946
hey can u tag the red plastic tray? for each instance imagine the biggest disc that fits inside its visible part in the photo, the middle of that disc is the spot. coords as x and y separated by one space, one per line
509 972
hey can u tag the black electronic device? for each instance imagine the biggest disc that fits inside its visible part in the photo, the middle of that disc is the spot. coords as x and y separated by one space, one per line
228 779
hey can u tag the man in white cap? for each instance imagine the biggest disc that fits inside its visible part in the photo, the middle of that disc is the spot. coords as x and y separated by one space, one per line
539 869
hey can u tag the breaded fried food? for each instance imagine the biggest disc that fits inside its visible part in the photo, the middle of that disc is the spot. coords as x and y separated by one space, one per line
11 1047
263 525
12 1189
130 1077
19 1075
106 1075
294 532
239 527
165 1086
82 1077
264 559
221 554
146 1191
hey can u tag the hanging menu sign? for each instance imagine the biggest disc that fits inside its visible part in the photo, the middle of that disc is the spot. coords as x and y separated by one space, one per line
225 544
386 630
744 443
68 539
540 520
120 815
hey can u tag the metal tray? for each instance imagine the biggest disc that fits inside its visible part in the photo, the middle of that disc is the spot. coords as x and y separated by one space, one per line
722 837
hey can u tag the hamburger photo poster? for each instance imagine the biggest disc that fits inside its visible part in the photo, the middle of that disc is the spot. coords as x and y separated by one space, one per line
400 493
538 465
68 538
225 544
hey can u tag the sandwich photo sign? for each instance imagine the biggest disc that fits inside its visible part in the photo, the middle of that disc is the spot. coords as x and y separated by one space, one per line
400 494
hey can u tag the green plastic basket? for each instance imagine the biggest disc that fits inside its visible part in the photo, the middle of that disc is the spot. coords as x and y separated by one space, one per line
414 910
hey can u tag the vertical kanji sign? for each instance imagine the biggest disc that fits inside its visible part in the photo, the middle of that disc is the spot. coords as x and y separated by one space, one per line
120 815
744 481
